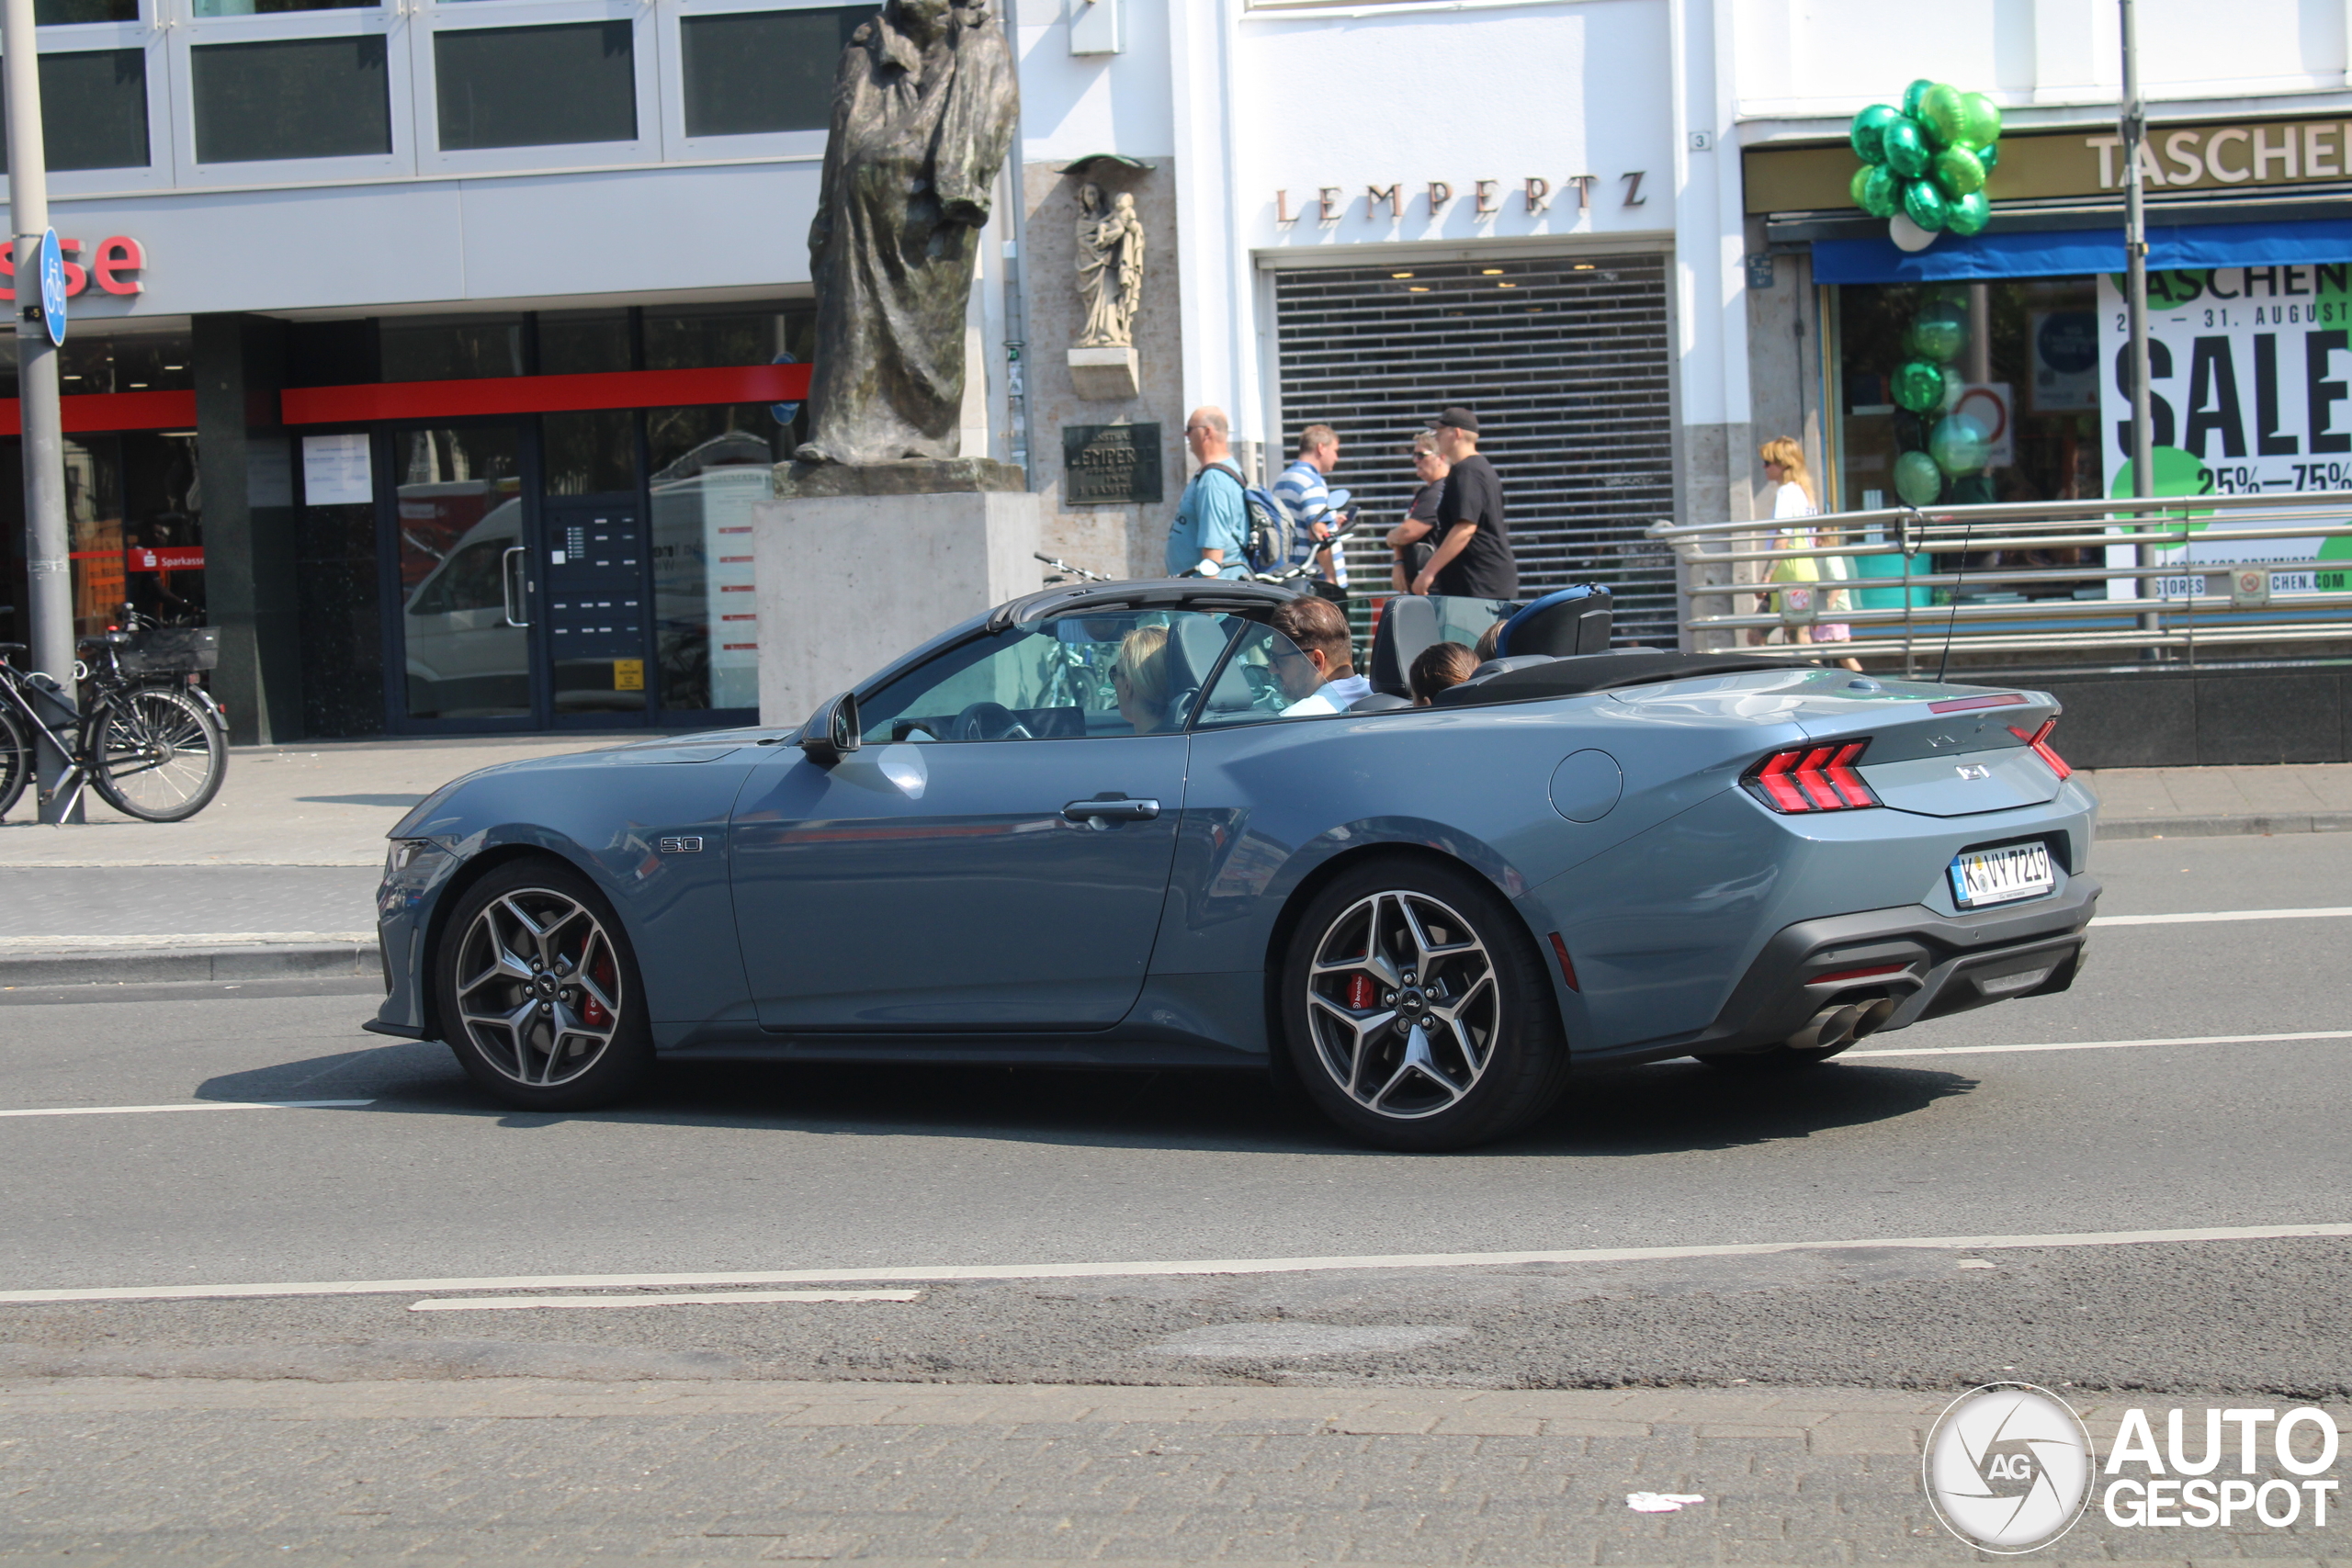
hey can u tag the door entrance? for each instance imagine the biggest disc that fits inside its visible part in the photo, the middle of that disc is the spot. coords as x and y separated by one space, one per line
520 608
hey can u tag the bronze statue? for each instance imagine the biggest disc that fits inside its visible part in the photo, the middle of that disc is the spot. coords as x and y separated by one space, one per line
924 108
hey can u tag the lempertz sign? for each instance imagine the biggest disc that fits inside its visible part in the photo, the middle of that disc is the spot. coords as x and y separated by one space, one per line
2250 384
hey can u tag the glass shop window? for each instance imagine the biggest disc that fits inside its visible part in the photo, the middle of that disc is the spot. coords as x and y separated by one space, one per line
93 109
535 86
451 349
1969 393
702 338
592 453
712 466
298 98
273 7
752 71
581 343
124 361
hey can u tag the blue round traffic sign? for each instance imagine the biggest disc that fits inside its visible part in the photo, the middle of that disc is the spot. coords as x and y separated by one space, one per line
785 413
53 286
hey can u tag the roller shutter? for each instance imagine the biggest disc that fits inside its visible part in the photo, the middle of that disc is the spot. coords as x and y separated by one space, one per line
1564 360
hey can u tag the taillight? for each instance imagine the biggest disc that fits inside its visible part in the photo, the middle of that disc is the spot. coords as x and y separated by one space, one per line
1812 778
2040 741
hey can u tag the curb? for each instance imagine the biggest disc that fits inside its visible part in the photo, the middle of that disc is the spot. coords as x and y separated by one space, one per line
2225 827
118 965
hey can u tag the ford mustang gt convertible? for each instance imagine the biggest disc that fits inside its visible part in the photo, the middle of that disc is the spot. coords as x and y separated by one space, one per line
1121 825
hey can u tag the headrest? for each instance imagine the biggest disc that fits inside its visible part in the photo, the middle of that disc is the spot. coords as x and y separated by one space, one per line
1194 643
1407 626
1571 621
1379 702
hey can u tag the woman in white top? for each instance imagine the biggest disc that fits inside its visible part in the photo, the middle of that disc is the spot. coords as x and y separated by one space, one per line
1784 466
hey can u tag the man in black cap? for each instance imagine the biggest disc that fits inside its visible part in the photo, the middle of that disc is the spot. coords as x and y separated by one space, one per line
1472 559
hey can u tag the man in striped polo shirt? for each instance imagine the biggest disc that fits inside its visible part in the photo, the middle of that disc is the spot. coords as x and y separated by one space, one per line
1311 504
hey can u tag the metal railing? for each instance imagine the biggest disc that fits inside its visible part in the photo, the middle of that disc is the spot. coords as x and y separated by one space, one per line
2177 574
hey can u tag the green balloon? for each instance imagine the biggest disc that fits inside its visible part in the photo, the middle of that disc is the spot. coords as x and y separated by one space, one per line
1925 205
1943 112
1869 127
1969 214
1877 192
1919 386
1989 156
1958 445
1958 171
1906 148
1913 95
1941 332
1917 480
1980 120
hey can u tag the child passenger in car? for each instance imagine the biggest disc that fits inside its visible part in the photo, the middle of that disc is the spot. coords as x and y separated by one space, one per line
1439 666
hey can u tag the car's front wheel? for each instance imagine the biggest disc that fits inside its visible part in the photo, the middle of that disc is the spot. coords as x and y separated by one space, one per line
538 990
1416 1010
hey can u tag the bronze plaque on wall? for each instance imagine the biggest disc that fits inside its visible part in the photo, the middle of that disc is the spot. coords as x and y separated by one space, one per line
1110 465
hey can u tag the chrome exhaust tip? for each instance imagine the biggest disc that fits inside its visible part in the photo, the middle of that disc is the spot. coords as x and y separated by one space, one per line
1875 1016
1830 1027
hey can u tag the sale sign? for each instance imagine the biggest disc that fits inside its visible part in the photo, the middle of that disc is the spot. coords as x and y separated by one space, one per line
2250 382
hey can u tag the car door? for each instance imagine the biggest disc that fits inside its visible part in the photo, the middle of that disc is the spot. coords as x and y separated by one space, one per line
994 857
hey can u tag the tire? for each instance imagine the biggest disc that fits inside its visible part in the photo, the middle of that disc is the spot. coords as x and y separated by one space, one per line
1416 1011
536 989
161 757
16 760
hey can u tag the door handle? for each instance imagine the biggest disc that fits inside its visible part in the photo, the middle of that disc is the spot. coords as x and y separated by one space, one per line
1099 812
506 585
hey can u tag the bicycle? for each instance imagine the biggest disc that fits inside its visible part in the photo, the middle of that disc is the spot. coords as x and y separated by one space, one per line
150 751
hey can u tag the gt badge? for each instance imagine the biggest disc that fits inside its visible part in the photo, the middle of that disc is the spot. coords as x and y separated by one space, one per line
1966 770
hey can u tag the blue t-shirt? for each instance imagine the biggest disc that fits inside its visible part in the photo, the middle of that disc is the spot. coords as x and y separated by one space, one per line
1209 516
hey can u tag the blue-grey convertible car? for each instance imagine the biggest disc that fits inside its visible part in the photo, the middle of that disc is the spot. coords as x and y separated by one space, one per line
1127 825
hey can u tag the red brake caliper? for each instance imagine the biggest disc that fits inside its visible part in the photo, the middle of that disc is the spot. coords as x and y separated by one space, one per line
592 1012
1360 993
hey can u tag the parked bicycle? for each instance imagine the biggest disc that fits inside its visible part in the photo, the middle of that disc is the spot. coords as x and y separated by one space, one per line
154 749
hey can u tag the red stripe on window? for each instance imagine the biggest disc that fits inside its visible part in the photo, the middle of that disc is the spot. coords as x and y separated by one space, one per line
111 411
543 394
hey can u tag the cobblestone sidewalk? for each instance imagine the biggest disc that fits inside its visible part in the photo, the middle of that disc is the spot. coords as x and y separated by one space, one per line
550 1473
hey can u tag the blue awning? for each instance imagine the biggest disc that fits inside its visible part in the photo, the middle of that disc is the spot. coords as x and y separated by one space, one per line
2074 252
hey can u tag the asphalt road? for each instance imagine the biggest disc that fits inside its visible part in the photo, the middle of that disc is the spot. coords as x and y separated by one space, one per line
905 1174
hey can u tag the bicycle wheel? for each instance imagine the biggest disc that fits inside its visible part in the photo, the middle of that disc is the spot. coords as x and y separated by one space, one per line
160 757
16 760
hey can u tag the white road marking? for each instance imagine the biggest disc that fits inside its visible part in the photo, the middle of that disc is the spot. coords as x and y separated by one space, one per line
514 1304
191 1105
1151 1269
95 941
2099 1045
2221 915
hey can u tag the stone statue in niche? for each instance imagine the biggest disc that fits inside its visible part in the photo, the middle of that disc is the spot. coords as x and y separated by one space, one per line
925 107
1109 268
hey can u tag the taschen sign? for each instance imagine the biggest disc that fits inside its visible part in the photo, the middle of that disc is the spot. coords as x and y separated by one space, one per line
113 265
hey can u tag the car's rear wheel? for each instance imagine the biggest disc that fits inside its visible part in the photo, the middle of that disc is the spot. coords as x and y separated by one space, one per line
538 990
1416 1011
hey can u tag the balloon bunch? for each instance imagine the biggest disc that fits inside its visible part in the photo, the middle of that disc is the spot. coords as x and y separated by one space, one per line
1957 446
1924 166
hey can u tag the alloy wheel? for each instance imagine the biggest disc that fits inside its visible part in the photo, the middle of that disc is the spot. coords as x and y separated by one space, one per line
538 987
1402 1005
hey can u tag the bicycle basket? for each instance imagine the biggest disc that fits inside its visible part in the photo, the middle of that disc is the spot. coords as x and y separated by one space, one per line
159 650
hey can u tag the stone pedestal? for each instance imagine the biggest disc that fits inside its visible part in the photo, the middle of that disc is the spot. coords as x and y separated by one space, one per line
1106 374
854 566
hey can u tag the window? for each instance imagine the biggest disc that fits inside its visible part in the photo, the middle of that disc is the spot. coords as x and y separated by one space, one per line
272 8
712 468
589 453
299 97
537 87
121 361
70 13
750 72
93 109
580 342
1118 674
465 348
727 334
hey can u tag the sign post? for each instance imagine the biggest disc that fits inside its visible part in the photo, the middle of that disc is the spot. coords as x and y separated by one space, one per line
40 328
2134 129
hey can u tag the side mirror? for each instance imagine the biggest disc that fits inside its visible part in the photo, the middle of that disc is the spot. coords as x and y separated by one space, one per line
832 731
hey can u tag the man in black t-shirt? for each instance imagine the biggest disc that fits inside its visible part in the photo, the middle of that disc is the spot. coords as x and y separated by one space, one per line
1472 559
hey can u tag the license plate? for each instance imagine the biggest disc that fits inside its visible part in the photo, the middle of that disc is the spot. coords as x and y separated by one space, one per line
1999 876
